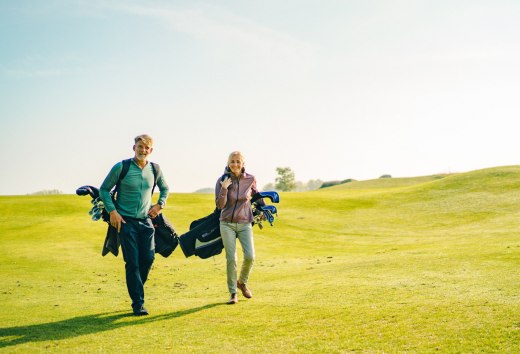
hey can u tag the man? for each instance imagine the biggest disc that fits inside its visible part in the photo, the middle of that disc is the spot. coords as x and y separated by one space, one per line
130 214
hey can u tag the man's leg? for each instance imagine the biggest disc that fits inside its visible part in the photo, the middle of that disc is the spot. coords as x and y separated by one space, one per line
146 248
129 243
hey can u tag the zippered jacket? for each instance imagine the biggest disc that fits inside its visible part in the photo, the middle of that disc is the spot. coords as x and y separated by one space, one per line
235 201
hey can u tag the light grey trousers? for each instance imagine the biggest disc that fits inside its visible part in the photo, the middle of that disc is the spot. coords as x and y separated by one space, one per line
244 232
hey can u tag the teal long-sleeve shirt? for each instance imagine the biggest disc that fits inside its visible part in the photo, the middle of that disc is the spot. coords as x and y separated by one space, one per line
134 197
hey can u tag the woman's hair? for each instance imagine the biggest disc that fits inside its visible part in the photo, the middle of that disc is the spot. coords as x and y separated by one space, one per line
145 138
235 153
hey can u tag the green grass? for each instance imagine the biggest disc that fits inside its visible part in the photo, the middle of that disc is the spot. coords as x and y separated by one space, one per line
391 265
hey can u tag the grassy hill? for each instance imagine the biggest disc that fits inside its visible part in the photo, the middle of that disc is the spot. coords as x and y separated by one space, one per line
386 182
391 265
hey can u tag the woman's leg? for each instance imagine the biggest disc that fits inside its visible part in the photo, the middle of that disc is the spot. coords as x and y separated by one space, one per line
245 236
229 239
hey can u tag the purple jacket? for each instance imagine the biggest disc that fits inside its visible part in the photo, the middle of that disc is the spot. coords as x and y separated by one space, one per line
234 202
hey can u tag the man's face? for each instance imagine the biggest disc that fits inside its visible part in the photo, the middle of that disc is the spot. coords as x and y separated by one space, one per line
142 151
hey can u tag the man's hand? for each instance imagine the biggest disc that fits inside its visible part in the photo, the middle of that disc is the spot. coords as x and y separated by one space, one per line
116 219
154 211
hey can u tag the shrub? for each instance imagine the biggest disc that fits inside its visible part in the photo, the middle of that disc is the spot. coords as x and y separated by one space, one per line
335 183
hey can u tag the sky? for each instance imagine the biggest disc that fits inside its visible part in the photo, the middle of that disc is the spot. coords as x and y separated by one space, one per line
333 89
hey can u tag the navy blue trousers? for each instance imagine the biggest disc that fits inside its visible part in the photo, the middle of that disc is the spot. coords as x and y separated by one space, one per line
137 241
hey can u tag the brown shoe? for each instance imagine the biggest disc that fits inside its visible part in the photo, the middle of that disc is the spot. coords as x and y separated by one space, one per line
233 299
245 290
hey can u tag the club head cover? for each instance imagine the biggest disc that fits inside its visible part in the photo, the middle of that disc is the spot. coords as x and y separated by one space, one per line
88 190
268 216
270 208
271 195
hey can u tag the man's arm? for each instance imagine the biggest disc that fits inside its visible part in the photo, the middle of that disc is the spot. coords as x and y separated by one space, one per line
163 196
104 192
163 189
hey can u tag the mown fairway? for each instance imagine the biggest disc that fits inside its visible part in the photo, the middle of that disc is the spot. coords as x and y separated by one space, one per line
392 265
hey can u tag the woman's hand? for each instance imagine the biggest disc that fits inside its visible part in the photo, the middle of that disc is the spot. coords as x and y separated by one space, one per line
225 183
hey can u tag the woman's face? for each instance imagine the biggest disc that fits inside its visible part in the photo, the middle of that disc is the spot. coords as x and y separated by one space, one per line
235 165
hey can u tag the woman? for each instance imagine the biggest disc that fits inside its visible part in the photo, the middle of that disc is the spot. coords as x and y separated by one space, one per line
233 193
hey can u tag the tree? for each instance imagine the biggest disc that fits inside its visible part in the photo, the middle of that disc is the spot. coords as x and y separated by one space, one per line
285 181
314 184
311 185
269 187
47 192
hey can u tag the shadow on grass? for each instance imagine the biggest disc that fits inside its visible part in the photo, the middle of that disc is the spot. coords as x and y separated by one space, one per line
83 325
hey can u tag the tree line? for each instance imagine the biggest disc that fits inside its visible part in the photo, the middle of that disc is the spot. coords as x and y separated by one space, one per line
286 182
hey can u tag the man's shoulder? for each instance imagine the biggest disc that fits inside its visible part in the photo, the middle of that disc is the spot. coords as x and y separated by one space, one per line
117 167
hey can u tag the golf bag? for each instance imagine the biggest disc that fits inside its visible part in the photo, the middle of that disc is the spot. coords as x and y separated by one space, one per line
204 240
166 239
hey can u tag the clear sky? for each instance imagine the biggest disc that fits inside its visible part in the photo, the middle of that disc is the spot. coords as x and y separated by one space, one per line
334 89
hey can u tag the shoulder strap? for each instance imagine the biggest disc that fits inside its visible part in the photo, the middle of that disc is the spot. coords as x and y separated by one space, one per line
224 176
126 166
156 170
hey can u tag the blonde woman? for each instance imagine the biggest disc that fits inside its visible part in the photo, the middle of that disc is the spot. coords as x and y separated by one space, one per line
233 192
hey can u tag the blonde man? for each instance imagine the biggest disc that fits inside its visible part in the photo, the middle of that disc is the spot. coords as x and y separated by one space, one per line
130 214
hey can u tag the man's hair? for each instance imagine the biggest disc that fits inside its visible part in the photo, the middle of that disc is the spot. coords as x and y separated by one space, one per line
145 138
